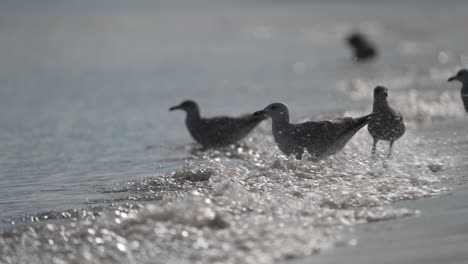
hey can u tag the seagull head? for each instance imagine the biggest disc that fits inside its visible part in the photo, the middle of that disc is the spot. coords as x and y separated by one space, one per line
380 92
277 111
462 76
358 40
187 105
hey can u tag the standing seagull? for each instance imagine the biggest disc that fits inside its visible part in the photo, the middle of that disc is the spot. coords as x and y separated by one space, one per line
321 138
462 76
388 123
217 131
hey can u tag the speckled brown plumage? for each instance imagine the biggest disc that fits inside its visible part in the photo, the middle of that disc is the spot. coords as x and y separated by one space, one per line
388 123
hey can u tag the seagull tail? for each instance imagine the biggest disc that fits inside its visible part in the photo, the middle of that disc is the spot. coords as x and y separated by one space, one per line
362 121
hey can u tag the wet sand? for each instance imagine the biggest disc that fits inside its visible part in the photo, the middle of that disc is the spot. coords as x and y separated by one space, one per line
438 235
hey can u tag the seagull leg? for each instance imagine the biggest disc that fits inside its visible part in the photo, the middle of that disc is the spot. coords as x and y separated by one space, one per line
390 149
298 152
374 146
298 155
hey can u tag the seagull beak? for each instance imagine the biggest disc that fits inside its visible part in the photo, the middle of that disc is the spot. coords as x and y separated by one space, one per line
452 79
260 113
174 108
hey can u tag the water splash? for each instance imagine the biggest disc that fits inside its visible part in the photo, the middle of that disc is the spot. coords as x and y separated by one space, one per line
250 205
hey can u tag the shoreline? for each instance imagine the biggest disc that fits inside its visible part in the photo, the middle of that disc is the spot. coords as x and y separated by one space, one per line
439 234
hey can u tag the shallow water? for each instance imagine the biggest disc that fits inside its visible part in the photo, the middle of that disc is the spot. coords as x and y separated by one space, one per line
439 231
93 169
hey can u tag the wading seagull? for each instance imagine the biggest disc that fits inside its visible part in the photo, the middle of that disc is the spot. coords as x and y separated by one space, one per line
462 76
388 123
320 138
217 131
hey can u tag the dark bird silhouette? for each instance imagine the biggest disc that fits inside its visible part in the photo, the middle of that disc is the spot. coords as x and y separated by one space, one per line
362 47
216 131
320 138
462 76
388 123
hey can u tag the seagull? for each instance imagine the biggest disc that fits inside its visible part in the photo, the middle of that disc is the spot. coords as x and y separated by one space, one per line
320 138
388 123
363 48
219 131
462 76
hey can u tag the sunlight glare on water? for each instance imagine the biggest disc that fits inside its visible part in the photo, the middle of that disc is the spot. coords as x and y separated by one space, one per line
250 209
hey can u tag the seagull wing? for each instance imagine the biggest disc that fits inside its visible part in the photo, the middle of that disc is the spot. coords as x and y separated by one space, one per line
218 126
320 132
